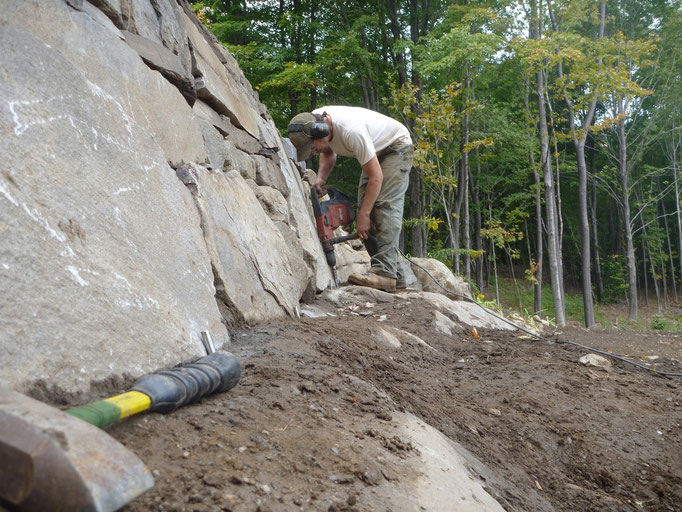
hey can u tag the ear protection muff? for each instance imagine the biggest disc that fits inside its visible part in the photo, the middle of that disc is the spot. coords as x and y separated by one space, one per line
314 130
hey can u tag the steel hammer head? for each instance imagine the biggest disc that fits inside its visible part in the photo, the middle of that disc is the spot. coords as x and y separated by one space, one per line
54 462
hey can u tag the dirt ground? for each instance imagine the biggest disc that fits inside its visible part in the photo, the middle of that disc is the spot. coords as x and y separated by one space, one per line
309 427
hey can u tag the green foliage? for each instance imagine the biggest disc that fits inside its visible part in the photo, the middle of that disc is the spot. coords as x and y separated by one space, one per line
471 66
658 323
615 278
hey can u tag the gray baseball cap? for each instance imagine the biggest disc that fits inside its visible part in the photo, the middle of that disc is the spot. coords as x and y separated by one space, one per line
300 134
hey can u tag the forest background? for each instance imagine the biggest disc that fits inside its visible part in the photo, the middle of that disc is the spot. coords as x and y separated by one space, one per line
548 133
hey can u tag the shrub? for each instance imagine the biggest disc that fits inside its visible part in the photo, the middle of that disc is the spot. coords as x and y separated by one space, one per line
615 278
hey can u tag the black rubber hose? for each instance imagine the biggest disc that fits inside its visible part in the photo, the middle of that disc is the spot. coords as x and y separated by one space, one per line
535 335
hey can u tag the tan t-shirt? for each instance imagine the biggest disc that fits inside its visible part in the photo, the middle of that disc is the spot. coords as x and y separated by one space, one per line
360 133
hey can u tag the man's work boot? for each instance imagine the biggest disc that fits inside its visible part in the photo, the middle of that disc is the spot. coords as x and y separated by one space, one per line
371 280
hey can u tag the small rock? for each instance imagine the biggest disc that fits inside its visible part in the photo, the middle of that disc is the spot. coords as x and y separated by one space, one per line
389 475
265 488
370 477
230 500
495 412
185 455
307 387
473 429
342 478
242 449
596 360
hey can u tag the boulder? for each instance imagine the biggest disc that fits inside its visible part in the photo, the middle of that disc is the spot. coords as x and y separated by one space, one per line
104 268
109 263
215 85
441 273
465 313
258 275
270 174
163 60
443 324
387 339
350 260
273 202
220 123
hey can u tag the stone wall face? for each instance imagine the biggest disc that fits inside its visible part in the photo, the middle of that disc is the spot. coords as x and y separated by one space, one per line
145 194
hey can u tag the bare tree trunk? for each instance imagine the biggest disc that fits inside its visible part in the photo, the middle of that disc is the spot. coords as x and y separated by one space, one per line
492 247
595 234
579 139
664 279
677 203
654 278
418 232
553 248
467 232
585 259
559 210
645 274
625 190
456 214
670 254
537 285
478 244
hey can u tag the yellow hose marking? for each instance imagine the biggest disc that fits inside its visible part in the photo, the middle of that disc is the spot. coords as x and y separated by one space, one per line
131 402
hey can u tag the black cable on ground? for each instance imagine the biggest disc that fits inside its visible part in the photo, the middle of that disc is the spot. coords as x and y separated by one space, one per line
535 335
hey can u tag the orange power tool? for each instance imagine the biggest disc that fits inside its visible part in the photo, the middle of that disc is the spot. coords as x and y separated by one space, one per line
337 211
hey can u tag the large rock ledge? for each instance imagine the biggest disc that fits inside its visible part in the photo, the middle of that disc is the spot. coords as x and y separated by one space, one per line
109 263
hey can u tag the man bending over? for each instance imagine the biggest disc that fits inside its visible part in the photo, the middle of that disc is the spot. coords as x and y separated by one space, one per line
384 149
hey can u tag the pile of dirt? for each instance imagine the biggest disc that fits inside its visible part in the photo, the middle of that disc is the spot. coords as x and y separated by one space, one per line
313 423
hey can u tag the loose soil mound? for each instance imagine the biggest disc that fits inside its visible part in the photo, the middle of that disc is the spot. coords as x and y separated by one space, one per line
310 425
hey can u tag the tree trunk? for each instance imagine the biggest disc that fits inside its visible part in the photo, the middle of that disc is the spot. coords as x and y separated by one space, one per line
466 231
677 206
595 236
418 232
629 247
670 253
456 219
465 179
492 250
553 248
537 285
478 243
646 275
585 259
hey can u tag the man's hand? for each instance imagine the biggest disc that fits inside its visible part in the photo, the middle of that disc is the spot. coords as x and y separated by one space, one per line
363 225
319 186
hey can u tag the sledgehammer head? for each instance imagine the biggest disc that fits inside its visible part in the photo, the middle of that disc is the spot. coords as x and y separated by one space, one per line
54 462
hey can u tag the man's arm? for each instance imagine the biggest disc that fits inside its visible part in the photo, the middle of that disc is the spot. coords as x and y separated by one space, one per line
375 179
327 161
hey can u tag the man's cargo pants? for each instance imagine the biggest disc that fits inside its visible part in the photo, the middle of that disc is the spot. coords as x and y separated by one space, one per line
387 214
